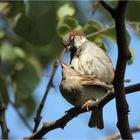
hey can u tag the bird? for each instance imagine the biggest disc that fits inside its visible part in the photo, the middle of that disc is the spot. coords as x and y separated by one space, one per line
89 59
79 89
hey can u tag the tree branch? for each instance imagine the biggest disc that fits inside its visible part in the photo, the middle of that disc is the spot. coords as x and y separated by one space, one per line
38 117
101 31
108 7
3 123
123 56
74 112
117 134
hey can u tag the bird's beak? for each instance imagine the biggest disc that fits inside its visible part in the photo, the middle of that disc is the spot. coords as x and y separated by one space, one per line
63 65
68 48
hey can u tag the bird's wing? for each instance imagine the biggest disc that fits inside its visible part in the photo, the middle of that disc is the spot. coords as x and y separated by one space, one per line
93 60
89 80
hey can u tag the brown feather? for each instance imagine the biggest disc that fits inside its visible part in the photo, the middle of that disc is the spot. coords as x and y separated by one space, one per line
86 80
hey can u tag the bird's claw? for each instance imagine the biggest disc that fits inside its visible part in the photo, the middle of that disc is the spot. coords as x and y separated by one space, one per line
88 104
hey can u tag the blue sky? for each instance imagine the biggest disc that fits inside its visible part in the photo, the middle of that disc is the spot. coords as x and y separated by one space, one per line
56 105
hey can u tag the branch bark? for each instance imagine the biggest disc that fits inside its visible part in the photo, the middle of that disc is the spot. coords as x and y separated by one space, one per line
117 134
123 55
3 123
74 112
38 117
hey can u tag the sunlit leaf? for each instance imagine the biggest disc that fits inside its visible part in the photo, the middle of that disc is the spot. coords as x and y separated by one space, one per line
2 34
131 60
65 10
7 53
20 53
4 8
135 26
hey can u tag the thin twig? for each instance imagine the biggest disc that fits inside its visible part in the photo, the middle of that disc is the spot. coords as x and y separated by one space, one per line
101 31
108 7
38 117
117 134
118 14
94 6
3 123
74 112
21 116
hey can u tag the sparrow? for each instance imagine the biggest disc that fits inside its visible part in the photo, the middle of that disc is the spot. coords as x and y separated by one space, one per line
79 89
89 59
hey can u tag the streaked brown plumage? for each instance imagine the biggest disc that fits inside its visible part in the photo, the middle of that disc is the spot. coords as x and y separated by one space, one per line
78 89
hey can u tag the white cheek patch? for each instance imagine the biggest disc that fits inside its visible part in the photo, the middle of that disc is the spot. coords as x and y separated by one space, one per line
79 40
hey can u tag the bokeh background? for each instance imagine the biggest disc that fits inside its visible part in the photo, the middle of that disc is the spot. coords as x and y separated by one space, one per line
31 39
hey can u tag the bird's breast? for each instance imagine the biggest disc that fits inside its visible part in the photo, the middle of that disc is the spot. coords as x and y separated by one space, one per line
77 95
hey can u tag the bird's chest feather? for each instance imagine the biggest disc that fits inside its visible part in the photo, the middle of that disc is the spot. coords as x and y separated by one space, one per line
71 91
77 94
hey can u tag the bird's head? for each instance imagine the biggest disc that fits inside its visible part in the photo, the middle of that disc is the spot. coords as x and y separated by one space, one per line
68 70
73 40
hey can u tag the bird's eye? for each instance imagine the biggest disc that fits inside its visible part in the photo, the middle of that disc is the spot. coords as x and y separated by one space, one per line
72 67
68 44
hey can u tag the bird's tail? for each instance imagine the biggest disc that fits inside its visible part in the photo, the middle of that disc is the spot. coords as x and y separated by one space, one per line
96 119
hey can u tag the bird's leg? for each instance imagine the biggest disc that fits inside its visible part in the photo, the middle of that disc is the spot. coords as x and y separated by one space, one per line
88 104
111 91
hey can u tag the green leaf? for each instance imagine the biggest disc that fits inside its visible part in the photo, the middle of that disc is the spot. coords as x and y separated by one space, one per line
20 53
25 82
65 10
128 37
100 42
135 26
22 25
62 29
29 106
2 34
91 27
3 90
37 30
66 25
6 69
4 8
7 53
16 7
36 9
133 10
110 33
131 60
